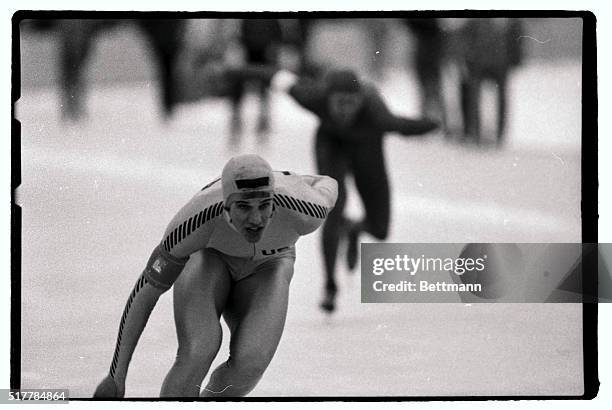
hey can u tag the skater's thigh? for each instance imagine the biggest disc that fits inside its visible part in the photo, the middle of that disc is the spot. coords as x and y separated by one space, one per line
200 294
257 309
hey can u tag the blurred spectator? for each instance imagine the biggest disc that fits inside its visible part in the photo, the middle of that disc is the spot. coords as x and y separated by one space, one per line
76 41
428 60
377 33
208 44
261 39
76 37
165 37
296 37
491 48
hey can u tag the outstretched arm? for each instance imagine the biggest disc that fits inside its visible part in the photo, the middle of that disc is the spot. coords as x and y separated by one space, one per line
390 122
409 127
161 271
189 230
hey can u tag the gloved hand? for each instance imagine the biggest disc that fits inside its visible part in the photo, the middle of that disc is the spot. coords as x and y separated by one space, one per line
109 388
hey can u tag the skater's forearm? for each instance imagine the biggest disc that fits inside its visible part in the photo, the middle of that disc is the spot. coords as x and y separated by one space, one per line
386 121
160 273
407 126
136 313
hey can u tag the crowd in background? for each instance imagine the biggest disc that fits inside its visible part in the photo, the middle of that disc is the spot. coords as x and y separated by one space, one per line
186 51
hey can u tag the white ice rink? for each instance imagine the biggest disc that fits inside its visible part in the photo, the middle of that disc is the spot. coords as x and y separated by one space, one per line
97 195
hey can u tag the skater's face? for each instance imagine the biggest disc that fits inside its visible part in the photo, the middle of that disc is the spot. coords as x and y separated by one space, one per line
344 107
251 217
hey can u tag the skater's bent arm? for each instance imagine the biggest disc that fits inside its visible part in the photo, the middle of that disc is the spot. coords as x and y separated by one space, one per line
390 122
323 190
311 197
